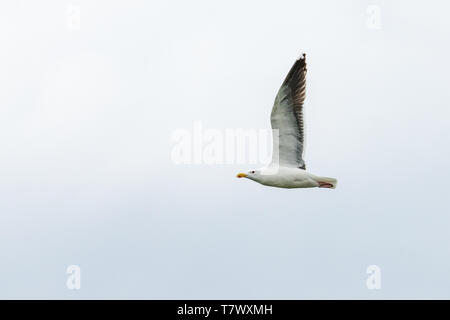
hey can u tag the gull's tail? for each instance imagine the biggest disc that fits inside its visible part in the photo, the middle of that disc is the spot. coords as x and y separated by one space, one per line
325 182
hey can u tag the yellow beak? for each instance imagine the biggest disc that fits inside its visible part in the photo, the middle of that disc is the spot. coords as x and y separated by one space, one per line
241 175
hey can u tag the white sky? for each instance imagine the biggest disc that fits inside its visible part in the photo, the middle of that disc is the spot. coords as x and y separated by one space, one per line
87 179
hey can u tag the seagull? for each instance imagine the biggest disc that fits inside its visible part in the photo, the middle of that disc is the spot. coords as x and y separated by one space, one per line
288 169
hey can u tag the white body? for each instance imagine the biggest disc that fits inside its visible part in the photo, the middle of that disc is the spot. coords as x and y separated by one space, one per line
285 177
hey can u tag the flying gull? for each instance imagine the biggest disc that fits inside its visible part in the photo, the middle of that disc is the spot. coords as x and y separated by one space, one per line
287 169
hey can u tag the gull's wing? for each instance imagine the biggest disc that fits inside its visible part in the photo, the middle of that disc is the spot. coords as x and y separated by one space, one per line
287 117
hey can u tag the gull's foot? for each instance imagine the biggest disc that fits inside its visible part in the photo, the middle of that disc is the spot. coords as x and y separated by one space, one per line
325 185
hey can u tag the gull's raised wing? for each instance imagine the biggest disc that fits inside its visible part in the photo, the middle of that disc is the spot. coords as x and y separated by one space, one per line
287 118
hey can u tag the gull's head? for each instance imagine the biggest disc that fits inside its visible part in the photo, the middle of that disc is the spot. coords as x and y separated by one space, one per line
250 175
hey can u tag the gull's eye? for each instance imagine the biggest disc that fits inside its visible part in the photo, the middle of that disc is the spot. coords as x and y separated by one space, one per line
252 171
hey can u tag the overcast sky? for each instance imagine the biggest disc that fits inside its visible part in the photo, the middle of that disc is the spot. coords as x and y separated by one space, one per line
92 92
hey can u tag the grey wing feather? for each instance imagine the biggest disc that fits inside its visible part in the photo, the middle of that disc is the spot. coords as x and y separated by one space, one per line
287 118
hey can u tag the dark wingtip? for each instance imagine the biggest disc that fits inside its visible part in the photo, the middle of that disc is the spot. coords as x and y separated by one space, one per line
297 68
302 60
